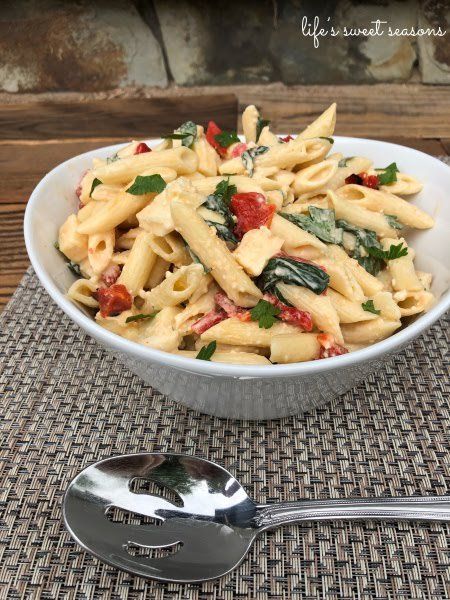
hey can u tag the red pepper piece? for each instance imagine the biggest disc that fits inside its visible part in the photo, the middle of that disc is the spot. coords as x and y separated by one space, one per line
328 346
114 300
292 315
231 308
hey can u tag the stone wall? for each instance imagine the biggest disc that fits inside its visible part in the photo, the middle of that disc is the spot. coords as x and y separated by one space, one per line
90 46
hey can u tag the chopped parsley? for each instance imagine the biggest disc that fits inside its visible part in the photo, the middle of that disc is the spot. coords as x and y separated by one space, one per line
260 124
370 307
207 351
391 254
249 156
226 138
388 175
95 183
140 317
265 313
146 184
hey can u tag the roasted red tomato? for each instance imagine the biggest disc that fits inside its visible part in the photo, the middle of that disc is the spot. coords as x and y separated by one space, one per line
231 308
110 275
212 130
114 300
238 149
370 181
208 320
286 139
292 315
141 148
328 346
251 210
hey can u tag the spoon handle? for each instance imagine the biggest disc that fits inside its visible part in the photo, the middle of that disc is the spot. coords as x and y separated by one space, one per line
422 508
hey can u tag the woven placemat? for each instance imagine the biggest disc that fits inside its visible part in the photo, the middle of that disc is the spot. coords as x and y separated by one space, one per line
66 403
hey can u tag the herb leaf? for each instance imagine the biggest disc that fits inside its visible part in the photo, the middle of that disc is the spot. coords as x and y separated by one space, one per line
95 183
388 175
329 139
288 270
56 245
370 307
265 313
207 351
249 155
344 161
74 267
393 222
260 124
223 232
146 184
321 223
219 201
226 138
140 317
391 254
187 132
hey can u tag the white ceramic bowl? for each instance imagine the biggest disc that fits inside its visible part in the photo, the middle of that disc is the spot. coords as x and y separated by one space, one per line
257 392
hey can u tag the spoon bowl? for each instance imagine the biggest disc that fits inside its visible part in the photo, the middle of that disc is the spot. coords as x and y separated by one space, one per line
198 521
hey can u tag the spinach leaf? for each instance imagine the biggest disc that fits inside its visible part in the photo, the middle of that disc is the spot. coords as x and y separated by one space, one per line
249 156
321 223
219 201
344 161
288 270
393 222
187 133
206 352
226 138
365 239
260 124
223 232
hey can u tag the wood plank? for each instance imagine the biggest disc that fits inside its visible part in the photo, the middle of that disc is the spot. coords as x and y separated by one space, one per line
396 110
123 119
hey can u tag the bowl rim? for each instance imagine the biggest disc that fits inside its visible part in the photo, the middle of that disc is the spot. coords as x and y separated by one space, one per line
146 353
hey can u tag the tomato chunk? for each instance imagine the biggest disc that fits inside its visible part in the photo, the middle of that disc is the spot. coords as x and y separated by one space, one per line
231 308
212 130
286 139
114 300
208 320
141 148
370 181
252 211
328 346
292 315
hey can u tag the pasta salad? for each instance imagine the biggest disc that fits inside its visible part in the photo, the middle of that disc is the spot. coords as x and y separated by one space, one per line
268 250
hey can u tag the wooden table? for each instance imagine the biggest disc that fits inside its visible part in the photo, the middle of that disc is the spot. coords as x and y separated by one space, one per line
35 137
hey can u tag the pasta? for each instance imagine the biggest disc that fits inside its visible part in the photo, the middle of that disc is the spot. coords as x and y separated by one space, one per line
272 250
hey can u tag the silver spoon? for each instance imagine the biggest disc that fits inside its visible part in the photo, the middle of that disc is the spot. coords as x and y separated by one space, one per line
208 526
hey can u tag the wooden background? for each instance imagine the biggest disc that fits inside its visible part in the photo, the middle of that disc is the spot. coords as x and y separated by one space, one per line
35 137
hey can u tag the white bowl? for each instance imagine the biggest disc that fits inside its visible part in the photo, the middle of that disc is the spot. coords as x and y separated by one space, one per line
235 391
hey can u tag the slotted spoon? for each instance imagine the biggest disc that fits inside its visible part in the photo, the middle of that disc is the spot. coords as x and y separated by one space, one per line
209 525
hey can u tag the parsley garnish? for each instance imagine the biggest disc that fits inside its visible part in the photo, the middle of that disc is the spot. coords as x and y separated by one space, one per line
344 161
74 267
226 138
207 351
95 183
249 155
370 307
260 124
391 254
146 184
393 222
388 175
187 132
225 190
265 313
140 317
